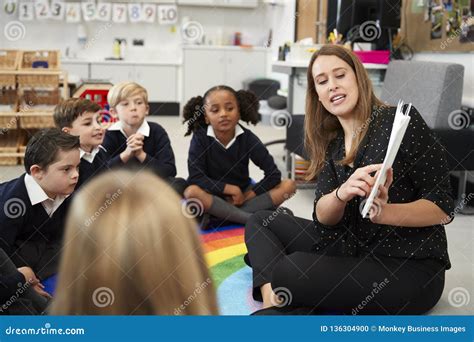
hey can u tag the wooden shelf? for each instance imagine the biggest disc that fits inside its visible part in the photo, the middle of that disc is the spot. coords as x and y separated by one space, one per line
32 72
16 123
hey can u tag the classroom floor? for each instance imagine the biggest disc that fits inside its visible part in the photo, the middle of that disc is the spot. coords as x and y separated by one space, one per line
459 288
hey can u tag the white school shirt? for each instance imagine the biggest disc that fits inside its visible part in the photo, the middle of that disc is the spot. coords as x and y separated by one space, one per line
89 156
37 195
238 131
144 128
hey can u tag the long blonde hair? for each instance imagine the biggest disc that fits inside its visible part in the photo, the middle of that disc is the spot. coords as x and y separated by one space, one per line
129 250
321 126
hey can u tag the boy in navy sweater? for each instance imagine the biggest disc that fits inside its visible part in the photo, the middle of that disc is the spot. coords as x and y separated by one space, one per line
219 156
80 117
133 141
35 204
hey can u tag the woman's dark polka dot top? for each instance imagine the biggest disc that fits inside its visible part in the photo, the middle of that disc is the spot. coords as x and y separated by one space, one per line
420 172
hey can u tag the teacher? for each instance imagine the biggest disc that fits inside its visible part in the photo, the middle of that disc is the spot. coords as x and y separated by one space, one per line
392 262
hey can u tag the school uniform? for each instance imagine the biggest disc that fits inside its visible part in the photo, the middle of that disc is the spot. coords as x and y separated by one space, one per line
31 225
334 268
212 165
17 297
92 164
157 146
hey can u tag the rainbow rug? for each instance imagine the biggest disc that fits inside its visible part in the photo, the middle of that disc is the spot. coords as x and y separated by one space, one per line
224 250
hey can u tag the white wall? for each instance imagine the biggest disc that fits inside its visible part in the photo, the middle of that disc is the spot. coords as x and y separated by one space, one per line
466 59
160 41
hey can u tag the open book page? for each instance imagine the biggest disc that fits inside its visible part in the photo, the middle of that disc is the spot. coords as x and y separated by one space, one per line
400 125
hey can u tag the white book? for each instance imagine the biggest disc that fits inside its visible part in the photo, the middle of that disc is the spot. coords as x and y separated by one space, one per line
400 124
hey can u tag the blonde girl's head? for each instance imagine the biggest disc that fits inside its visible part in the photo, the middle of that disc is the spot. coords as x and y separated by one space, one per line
129 250
333 70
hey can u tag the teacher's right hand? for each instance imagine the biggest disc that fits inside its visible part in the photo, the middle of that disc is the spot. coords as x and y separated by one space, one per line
360 183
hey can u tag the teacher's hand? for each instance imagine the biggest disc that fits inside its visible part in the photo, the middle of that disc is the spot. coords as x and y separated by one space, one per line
376 212
359 183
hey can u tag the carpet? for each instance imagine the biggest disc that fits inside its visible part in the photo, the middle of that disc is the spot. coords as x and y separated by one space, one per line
224 250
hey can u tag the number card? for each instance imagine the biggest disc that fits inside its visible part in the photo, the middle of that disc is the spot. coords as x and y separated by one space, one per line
119 13
88 10
41 9
167 14
149 13
26 12
135 13
10 7
58 8
104 11
73 12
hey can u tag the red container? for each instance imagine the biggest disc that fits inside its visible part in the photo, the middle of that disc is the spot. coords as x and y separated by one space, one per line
376 57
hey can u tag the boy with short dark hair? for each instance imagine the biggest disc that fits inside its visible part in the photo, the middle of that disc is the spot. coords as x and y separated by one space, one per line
35 204
80 117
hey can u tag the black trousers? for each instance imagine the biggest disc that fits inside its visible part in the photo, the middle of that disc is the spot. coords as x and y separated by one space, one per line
178 184
281 253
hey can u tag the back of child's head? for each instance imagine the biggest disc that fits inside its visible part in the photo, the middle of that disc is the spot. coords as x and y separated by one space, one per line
124 90
69 110
43 147
195 109
129 249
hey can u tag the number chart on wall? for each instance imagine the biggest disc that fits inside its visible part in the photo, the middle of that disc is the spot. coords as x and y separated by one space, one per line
91 10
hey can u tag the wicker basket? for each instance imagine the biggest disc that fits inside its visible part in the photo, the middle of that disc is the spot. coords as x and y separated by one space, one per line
9 145
8 121
9 59
49 57
8 100
22 141
36 120
8 81
32 98
38 81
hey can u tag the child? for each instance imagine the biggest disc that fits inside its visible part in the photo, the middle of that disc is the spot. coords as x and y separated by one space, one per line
219 157
140 256
80 117
133 140
35 204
